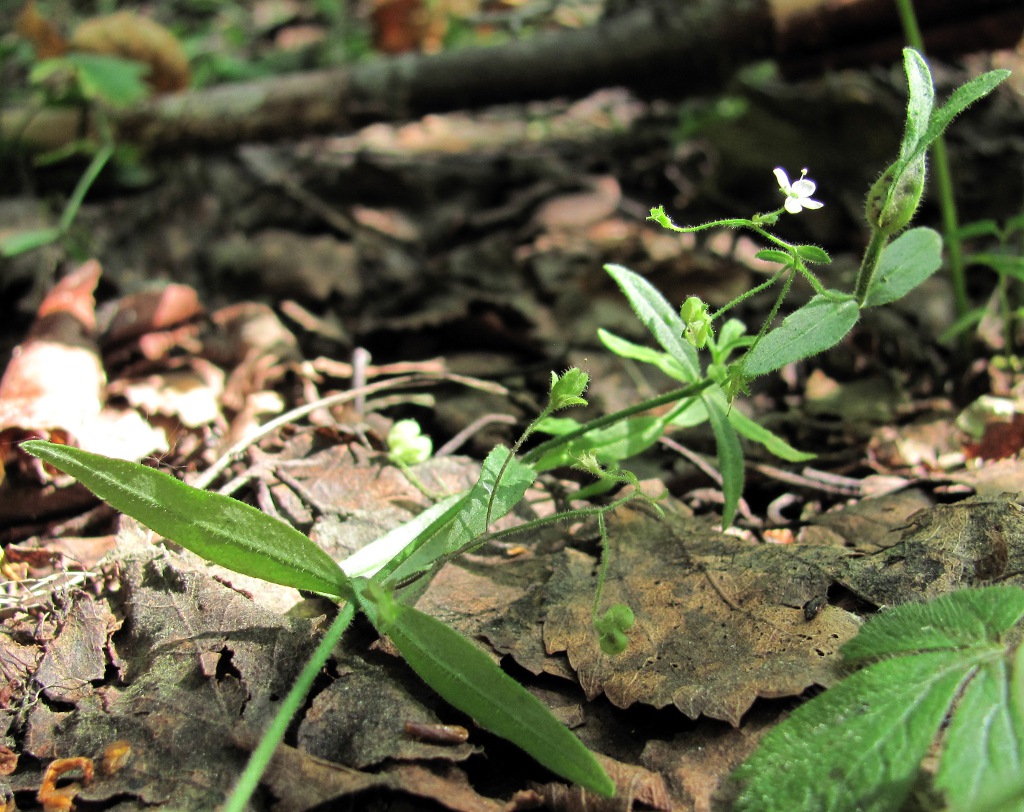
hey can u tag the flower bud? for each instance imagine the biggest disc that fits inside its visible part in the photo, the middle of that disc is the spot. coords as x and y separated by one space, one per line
893 198
694 314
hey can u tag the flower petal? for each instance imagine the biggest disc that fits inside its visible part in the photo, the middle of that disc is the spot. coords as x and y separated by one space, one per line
804 187
782 178
807 203
793 205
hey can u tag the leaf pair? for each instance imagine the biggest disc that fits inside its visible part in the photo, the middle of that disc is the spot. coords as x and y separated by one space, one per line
240 537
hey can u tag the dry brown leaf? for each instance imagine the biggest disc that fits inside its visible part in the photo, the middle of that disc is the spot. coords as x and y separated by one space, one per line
719 622
135 37
191 394
54 383
580 209
45 38
360 719
151 311
971 543
633 785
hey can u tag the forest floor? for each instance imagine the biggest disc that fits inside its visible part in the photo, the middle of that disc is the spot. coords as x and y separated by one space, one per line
467 250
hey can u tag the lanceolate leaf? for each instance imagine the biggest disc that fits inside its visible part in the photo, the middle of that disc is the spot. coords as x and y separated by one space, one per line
730 454
658 316
218 528
637 352
959 100
611 444
774 444
860 745
471 681
919 104
466 519
813 328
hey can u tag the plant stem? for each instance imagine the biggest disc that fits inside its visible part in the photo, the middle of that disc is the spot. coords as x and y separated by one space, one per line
943 178
950 225
690 391
868 265
250 777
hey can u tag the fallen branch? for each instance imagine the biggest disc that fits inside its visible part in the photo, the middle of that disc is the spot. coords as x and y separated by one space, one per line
690 49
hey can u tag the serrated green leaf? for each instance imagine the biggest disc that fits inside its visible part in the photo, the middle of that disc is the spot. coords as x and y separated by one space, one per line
658 316
218 528
983 747
774 444
860 750
730 454
953 622
905 263
809 330
814 254
469 680
861 744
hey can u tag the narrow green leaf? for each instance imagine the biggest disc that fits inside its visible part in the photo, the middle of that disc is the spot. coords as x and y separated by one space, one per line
774 255
616 442
658 316
688 414
960 100
637 352
813 328
860 745
730 454
469 680
979 228
771 441
905 263
21 241
1003 264
920 103
1015 223
466 520
368 560
218 528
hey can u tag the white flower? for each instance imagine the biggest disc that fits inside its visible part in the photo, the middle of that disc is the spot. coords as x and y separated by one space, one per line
798 194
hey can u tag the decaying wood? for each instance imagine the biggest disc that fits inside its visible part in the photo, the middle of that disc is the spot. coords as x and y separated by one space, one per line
695 47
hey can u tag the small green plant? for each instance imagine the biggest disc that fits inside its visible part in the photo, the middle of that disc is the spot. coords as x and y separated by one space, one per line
941 680
375 581
380 579
80 79
1006 261
892 266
